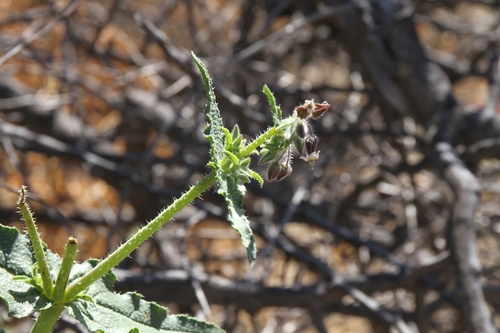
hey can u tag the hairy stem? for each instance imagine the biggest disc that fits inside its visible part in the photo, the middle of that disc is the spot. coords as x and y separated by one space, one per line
140 237
38 248
148 230
252 146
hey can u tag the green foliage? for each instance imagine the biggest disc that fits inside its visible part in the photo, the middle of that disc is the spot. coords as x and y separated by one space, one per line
273 148
275 109
18 288
232 171
233 190
99 309
213 131
107 311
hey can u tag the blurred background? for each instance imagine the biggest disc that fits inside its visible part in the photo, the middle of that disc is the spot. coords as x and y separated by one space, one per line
101 116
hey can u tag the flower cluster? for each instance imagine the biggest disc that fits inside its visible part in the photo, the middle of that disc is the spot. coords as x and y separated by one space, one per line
297 132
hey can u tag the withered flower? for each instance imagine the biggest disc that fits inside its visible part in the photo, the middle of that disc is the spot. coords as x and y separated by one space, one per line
311 110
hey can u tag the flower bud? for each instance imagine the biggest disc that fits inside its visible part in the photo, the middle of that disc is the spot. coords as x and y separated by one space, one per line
310 146
284 172
273 171
301 130
311 143
299 144
278 171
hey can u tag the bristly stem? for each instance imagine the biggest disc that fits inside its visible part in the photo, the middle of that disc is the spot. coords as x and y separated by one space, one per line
65 270
252 146
140 237
38 246
148 230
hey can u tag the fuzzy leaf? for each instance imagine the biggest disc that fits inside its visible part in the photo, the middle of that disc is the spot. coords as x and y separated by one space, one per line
269 156
233 190
275 110
16 263
100 309
236 132
229 185
233 157
114 313
257 177
213 131
229 138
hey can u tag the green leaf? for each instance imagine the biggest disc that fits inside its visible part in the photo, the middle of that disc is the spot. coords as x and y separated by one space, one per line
232 188
16 263
275 109
213 131
114 313
230 185
269 156
229 138
236 132
22 298
233 157
273 148
257 177
100 308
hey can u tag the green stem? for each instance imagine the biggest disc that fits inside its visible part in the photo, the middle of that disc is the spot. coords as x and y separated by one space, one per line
66 265
47 319
38 248
252 146
140 237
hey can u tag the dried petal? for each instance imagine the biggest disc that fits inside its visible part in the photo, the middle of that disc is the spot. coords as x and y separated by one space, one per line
301 112
320 109
305 111
310 109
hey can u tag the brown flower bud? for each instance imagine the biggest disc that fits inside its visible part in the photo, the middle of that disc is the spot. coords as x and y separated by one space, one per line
278 171
311 144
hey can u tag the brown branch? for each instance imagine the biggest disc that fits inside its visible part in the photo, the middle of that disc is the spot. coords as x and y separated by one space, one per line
462 237
45 29
175 286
